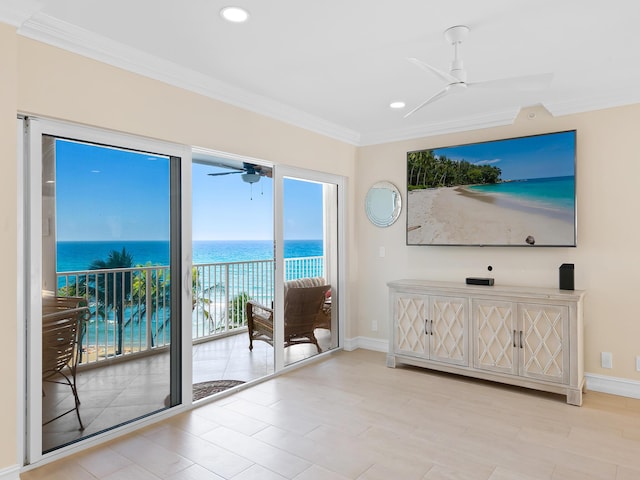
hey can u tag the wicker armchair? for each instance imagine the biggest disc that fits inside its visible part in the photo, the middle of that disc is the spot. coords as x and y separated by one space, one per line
302 307
323 319
61 327
52 304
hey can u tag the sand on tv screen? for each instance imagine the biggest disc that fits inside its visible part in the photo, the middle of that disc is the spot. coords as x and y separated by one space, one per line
512 192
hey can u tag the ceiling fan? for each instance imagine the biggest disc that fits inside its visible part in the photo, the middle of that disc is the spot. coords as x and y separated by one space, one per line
249 172
456 79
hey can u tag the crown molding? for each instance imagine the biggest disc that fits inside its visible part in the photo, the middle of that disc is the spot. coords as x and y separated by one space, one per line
49 30
476 122
615 98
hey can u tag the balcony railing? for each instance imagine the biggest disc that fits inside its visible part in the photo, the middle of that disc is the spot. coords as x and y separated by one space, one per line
220 291
130 307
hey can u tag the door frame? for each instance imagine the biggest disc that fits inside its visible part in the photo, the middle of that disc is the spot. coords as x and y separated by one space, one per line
280 172
30 134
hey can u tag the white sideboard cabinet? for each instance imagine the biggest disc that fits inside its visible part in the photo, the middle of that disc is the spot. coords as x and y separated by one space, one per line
530 337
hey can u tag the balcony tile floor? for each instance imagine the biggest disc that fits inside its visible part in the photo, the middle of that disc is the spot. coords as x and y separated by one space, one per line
115 394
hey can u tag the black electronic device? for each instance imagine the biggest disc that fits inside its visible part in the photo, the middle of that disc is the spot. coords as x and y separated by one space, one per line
566 276
480 281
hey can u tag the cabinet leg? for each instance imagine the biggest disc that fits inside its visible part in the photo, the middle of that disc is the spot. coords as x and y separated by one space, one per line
574 397
391 361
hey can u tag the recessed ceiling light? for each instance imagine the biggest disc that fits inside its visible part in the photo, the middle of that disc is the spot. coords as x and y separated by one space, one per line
397 105
234 14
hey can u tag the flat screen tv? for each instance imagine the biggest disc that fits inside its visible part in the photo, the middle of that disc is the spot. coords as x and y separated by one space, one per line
511 192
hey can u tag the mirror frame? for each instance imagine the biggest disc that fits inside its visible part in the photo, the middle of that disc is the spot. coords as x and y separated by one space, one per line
378 218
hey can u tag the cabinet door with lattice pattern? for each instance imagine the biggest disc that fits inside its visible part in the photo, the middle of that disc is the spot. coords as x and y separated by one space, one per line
544 352
495 335
448 330
410 315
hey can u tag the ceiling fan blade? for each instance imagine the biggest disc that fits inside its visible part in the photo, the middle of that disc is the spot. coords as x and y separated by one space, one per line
436 71
429 100
525 83
223 173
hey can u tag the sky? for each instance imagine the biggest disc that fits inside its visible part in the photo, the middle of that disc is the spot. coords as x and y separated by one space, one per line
226 208
108 194
540 156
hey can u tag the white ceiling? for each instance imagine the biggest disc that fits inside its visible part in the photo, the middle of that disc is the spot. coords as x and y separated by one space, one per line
333 66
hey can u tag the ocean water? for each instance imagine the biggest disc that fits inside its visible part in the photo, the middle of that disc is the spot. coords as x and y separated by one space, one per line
557 193
75 256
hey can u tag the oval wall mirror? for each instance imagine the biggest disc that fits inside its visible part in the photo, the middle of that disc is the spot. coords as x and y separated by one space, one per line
383 204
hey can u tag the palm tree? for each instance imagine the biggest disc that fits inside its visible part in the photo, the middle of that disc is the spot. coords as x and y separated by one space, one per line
236 310
156 284
111 290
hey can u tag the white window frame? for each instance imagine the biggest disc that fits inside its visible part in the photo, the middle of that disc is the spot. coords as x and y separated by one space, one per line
338 278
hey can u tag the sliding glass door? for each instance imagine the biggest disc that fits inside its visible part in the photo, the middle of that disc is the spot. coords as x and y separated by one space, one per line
308 270
116 298
104 309
232 265
260 231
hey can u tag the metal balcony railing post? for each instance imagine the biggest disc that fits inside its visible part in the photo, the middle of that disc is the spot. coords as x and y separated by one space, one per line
148 313
226 298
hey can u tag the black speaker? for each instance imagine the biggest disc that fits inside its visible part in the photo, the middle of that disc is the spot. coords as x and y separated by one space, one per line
479 281
566 276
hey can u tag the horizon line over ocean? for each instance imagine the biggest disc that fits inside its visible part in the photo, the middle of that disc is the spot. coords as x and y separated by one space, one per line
78 255
552 192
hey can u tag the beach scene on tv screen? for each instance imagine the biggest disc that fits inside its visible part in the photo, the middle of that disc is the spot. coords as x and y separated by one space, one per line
518 191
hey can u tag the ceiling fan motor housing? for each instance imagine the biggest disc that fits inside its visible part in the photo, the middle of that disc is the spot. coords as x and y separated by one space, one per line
457 70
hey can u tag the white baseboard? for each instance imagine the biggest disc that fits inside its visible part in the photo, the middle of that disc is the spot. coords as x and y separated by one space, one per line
613 385
10 473
598 383
366 343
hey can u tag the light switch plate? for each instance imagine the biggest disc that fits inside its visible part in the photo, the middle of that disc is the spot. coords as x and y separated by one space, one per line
606 360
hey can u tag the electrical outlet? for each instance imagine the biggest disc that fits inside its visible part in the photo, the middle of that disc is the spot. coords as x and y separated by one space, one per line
374 326
381 252
638 364
606 360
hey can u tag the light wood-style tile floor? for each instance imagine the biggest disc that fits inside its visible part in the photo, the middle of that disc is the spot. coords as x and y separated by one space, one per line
350 417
